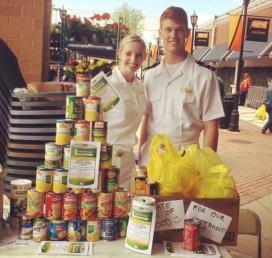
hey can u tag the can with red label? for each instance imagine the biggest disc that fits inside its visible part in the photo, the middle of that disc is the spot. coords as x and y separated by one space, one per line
191 234
70 206
53 205
104 205
88 206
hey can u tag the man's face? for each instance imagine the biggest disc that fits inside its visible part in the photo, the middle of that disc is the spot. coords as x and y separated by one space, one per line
174 36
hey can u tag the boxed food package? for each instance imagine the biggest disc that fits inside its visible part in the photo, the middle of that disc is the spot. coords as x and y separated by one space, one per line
227 206
38 87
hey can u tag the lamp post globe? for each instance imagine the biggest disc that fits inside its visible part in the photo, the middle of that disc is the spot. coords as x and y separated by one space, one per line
194 18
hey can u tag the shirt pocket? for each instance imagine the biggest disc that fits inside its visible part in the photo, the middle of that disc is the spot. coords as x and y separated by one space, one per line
155 100
184 105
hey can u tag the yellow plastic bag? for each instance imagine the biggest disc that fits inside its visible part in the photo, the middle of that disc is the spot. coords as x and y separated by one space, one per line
217 184
166 166
261 112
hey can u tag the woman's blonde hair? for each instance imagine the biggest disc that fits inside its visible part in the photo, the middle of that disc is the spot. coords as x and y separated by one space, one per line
129 39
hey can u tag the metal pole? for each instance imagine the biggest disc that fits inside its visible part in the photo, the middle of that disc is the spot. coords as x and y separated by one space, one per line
149 54
234 121
120 21
193 38
62 43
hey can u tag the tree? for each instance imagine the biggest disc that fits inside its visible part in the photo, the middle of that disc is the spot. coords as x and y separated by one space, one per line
133 18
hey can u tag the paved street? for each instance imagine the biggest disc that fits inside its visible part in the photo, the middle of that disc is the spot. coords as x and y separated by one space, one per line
248 153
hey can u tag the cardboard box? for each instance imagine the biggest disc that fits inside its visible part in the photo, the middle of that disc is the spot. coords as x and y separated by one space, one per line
228 206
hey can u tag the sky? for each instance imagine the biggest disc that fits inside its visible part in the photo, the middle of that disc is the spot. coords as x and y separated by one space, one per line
151 9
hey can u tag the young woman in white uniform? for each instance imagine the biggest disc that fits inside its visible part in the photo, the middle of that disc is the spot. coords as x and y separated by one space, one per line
125 117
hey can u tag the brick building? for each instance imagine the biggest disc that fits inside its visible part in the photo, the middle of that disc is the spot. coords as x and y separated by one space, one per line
256 60
25 27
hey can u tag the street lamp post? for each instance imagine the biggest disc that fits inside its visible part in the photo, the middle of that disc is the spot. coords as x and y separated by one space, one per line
234 120
63 13
120 21
194 18
158 49
149 53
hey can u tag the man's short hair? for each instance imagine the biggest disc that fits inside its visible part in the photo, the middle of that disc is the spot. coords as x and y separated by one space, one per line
176 14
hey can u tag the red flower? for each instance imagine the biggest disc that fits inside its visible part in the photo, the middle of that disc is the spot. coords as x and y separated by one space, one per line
73 63
106 16
87 21
97 17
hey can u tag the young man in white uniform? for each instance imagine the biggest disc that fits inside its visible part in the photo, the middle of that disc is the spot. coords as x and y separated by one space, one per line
124 118
182 97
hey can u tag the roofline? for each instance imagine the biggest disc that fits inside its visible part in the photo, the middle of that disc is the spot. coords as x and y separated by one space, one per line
253 4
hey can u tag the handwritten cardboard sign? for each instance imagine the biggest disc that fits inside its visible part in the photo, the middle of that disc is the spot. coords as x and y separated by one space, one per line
214 224
170 215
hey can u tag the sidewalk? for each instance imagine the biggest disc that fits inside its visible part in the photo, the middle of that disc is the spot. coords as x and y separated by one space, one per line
248 153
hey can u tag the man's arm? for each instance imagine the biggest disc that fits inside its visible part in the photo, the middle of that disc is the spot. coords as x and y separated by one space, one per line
211 134
143 134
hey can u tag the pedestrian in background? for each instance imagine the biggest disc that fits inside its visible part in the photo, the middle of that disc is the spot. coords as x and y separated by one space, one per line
244 86
268 108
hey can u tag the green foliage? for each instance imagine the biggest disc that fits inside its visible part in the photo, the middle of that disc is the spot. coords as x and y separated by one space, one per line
132 17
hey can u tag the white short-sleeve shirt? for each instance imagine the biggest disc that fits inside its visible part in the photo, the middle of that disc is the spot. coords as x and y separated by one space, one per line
178 105
125 117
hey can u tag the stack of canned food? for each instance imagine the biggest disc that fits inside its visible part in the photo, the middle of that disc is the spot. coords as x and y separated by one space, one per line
55 212
76 216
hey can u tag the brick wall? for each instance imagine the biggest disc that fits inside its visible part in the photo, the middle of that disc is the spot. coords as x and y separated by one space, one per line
25 27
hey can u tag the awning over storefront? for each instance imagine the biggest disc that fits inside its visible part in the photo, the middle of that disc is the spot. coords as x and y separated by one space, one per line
107 52
199 53
253 50
217 53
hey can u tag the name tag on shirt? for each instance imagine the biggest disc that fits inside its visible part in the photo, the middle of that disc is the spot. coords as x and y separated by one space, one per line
186 90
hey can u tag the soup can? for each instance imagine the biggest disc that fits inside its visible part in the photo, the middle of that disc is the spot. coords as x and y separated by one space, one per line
74 108
18 193
60 180
83 84
92 108
35 202
70 206
82 130
99 131
88 206
53 205
53 155
64 131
